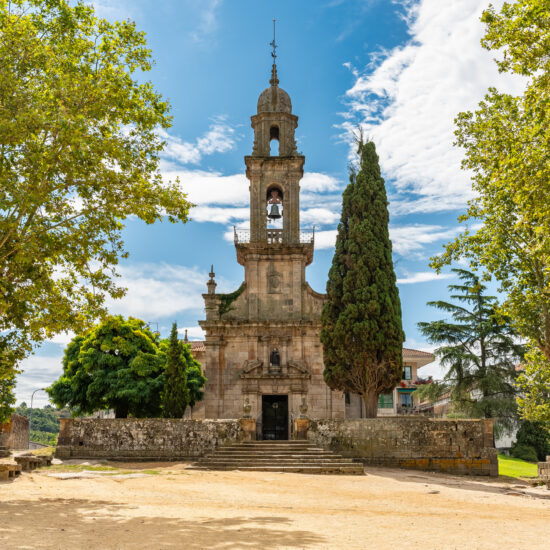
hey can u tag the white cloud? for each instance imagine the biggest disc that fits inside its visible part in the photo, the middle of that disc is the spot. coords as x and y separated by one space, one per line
193 333
422 277
219 215
159 290
38 372
220 138
407 101
412 238
208 20
405 239
62 338
317 182
206 188
114 9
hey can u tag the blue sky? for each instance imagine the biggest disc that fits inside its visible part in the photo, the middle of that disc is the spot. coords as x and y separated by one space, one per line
400 69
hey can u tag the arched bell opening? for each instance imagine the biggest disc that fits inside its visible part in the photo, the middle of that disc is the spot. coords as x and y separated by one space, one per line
274 141
274 205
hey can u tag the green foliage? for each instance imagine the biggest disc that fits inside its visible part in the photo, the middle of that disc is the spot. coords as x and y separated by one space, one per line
361 333
535 435
514 467
45 422
117 365
195 379
175 396
506 145
45 438
524 452
227 299
506 142
7 388
534 386
479 351
79 153
521 32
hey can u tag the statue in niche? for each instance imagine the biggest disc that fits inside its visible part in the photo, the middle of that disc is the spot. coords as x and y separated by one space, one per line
275 359
273 280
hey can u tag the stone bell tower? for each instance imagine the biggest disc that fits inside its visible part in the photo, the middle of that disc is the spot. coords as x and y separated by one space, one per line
266 172
262 340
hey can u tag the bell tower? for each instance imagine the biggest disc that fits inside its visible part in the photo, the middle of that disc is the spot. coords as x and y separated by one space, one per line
274 173
262 342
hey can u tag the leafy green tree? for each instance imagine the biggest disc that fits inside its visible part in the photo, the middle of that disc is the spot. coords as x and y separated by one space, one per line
79 153
361 333
535 435
534 386
117 365
175 397
506 149
479 351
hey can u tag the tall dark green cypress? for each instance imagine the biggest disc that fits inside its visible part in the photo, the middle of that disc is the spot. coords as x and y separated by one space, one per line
362 333
175 397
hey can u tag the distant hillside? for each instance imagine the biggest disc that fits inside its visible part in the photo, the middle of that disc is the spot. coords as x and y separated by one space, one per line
45 422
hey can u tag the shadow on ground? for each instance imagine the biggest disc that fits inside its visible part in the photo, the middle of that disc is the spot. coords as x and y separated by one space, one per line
80 523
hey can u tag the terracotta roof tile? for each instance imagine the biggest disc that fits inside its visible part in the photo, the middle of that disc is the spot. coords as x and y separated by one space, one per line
408 351
197 345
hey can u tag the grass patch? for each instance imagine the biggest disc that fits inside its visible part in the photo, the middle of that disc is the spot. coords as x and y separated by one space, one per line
43 451
515 467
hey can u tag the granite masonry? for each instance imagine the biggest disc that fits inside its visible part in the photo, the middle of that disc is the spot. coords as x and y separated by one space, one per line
144 438
418 443
15 433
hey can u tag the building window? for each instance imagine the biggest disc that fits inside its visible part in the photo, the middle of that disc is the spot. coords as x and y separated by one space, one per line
407 372
348 399
385 401
406 400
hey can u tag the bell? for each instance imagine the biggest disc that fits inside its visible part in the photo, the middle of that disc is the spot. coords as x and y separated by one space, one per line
274 212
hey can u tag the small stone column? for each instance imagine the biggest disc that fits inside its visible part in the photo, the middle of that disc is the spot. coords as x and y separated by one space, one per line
301 424
248 424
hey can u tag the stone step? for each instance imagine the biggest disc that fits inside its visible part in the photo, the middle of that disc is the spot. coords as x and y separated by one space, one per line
278 456
349 469
278 449
275 464
275 456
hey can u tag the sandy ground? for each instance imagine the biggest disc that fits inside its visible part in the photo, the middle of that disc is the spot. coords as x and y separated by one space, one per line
181 508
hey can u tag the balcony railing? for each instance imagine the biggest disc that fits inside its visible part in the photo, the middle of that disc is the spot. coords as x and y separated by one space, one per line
274 236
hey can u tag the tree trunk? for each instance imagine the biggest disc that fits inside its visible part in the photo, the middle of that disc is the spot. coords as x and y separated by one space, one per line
370 397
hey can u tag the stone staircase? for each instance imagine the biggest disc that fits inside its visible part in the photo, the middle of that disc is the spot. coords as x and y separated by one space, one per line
278 456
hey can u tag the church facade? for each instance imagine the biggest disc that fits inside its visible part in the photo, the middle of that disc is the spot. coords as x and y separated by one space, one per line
262 350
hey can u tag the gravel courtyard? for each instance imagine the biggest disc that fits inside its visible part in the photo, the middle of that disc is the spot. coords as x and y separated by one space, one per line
170 506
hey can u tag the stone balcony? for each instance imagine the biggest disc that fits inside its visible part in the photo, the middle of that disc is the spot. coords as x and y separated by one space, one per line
274 244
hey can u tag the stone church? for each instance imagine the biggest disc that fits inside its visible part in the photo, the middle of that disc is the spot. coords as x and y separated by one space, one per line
262 346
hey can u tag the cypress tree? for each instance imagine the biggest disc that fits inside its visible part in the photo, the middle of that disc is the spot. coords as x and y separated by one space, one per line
175 397
361 332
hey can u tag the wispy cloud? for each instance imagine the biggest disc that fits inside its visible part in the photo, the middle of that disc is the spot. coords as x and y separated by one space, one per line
208 20
423 277
220 138
407 99
405 239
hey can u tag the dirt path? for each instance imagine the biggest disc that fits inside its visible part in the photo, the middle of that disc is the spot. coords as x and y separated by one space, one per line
180 508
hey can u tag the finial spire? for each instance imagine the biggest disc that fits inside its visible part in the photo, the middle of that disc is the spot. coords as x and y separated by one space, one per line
274 80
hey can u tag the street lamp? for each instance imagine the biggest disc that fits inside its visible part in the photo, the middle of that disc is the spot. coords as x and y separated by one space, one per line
30 415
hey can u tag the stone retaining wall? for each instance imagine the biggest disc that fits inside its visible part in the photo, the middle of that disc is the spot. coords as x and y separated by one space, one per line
15 433
419 443
143 439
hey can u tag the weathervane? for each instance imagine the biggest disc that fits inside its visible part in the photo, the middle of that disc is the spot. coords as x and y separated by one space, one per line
274 80
273 44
